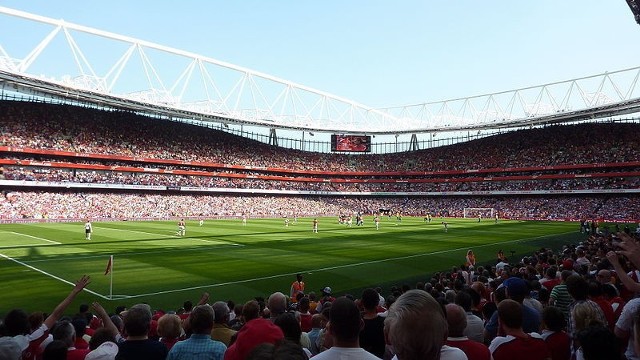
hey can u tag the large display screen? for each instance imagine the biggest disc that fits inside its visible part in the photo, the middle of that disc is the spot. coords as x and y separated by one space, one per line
352 143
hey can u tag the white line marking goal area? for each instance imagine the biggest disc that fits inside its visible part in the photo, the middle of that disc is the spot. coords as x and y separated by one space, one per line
12 239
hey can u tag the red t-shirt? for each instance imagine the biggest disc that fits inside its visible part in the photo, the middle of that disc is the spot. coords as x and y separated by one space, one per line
559 344
473 349
509 347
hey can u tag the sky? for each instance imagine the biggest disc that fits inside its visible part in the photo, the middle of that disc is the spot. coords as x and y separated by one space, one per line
380 53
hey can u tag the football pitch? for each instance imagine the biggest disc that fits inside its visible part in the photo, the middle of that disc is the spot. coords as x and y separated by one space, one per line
40 261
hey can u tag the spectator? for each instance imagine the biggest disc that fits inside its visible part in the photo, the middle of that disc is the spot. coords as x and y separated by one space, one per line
16 323
474 325
372 334
598 342
169 329
137 322
558 341
254 332
199 345
516 289
65 332
291 329
416 328
277 305
457 322
513 342
221 331
344 328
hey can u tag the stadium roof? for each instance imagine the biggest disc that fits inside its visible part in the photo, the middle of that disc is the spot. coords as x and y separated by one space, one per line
177 83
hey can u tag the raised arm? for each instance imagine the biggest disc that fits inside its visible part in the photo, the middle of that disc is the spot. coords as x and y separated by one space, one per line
204 298
106 320
627 281
629 248
60 309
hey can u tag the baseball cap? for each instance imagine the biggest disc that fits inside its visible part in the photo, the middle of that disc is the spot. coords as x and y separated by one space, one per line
327 290
516 286
106 351
11 348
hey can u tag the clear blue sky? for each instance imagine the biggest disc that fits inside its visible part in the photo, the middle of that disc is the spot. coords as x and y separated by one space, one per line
381 52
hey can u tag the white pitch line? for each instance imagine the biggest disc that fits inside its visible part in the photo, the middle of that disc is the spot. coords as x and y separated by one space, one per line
156 234
50 275
131 254
132 231
34 237
336 267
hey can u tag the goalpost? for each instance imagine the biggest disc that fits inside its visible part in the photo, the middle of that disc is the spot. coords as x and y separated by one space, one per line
485 213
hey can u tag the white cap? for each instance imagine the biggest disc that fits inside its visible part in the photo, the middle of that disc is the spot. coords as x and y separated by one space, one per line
106 351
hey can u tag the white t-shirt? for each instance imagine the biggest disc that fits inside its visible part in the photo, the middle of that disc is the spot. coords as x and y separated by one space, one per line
625 323
447 353
340 353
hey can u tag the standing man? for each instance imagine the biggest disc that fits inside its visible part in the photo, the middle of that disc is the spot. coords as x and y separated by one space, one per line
244 219
315 225
181 228
376 220
296 288
88 229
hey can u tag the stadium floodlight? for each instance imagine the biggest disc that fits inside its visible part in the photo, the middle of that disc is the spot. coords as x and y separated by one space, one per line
634 5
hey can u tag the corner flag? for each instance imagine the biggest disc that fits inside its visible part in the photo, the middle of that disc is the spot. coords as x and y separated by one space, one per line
109 265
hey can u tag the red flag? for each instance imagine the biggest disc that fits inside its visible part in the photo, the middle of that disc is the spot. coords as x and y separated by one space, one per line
109 265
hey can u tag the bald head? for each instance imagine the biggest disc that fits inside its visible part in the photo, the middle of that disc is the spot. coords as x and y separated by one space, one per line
277 304
457 320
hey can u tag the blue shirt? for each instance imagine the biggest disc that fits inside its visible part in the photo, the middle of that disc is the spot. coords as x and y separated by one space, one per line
531 320
198 347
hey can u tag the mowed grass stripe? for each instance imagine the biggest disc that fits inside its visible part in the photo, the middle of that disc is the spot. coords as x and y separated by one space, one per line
341 257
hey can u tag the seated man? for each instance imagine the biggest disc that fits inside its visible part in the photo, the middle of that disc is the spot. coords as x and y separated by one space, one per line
344 328
137 322
512 342
416 328
199 345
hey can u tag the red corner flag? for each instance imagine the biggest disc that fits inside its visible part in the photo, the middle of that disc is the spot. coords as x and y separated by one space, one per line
109 265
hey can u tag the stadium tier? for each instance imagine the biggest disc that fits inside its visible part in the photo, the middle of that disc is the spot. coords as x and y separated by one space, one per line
63 154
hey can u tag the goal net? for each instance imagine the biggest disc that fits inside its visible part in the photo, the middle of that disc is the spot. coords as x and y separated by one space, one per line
485 213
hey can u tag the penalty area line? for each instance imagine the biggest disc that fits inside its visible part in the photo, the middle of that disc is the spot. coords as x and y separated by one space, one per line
333 267
34 237
50 275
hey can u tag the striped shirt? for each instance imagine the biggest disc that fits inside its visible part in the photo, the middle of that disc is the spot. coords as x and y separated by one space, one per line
562 299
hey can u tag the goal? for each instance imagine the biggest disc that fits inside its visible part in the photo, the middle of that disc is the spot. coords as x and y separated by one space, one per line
485 213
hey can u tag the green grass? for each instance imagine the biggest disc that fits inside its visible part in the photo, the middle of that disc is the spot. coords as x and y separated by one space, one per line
231 261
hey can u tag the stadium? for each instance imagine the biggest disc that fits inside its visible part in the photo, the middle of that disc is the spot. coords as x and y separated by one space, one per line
235 185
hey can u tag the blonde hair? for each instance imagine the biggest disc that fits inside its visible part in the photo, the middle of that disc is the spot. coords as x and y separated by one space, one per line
170 326
585 315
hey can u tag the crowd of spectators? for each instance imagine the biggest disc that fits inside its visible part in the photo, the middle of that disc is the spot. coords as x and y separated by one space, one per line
90 131
118 206
49 174
578 302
